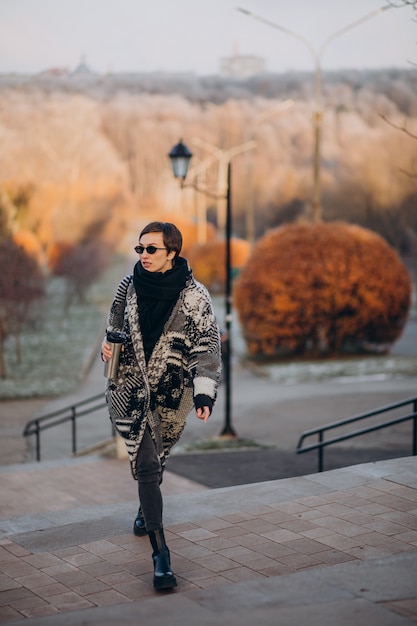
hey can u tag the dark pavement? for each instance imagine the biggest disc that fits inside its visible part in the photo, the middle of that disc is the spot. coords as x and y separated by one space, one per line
241 467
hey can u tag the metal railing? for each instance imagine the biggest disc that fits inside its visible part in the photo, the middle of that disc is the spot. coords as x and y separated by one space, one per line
68 414
322 443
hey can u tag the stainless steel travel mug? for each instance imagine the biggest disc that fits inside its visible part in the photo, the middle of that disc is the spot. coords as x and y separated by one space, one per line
111 367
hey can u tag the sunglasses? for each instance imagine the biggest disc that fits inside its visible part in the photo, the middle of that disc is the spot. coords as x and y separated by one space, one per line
149 249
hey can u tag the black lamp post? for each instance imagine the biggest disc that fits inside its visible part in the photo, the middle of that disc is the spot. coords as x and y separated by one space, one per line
180 157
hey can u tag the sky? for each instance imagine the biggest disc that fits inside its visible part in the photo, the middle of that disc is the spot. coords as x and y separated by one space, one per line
193 35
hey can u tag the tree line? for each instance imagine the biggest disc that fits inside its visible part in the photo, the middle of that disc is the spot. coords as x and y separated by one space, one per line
98 155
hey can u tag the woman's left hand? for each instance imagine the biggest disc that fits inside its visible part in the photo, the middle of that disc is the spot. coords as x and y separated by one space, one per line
203 413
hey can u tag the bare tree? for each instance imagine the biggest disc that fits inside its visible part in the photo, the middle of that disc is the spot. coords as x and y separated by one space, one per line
120 176
81 265
21 285
402 3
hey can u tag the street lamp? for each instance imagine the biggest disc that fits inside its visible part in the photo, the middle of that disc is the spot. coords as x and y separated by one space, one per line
318 113
180 157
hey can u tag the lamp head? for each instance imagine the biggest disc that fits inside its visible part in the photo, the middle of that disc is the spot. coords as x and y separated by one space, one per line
180 157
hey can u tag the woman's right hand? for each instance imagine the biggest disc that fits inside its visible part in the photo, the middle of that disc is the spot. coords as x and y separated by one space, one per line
106 350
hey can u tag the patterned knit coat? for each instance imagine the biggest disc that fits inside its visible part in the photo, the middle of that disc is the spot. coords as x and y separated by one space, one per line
185 362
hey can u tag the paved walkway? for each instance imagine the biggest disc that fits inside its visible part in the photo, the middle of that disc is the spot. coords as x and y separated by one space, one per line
333 548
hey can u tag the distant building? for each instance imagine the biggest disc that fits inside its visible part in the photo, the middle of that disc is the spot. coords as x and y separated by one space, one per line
55 71
82 70
241 65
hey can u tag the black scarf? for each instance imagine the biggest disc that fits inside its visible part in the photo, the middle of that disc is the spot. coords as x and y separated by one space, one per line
157 293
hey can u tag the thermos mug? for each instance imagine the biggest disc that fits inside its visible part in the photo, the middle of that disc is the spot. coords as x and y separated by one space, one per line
111 366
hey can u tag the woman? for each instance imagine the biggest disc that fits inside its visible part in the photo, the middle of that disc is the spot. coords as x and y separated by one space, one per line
170 362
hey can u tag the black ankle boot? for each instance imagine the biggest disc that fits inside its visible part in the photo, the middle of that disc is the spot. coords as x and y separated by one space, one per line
139 528
164 577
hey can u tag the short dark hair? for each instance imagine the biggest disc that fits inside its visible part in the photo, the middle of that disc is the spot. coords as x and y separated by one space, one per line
171 235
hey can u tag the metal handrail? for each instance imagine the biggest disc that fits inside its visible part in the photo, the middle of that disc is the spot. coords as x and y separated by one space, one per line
322 443
69 413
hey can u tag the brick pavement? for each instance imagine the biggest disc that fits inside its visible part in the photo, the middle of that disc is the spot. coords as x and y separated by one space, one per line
218 538
68 484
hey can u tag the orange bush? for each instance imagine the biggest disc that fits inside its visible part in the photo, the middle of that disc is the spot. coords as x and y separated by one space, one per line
322 289
208 262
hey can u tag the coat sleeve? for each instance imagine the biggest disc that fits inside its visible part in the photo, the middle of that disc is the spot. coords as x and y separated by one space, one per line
205 360
115 318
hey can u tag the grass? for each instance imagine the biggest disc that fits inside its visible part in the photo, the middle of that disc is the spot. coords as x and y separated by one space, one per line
219 444
57 347
377 368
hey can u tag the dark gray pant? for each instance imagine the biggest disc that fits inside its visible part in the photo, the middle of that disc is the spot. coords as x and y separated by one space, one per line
149 475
